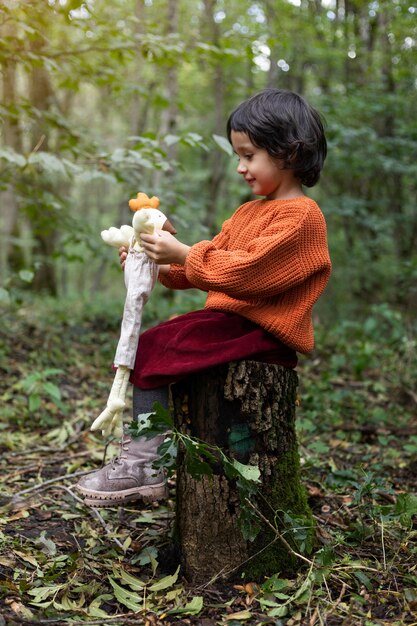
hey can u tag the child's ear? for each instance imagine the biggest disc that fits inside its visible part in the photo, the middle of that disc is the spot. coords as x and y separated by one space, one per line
294 153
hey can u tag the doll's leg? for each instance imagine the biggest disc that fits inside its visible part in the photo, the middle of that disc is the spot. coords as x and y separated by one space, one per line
130 476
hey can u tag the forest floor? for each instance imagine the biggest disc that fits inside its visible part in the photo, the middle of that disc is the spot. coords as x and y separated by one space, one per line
62 562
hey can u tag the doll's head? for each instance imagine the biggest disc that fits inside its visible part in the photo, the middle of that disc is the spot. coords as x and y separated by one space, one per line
147 217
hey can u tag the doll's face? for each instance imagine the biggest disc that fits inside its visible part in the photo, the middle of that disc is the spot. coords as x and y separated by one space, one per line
149 220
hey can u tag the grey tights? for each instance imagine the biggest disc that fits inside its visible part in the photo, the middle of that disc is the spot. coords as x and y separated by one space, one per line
144 399
146 450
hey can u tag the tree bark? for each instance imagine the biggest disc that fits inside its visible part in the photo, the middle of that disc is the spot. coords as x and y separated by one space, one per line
247 409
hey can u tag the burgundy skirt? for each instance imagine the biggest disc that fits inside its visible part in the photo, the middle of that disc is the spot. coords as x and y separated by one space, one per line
199 340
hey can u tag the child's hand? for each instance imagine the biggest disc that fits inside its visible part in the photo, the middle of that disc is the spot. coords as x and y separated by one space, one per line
122 256
164 248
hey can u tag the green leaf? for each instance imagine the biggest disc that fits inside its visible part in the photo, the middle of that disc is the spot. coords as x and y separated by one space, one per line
48 162
41 593
26 276
239 615
133 582
34 402
94 610
127 542
275 583
224 144
67 604
4 296
364 579
281 611
196 467
162 417
52 390
171 139
194 140
194 137
143 422
166 582
47 545
8 154
191 608
249 472
410 595
125 597
148 555
42 605
406 507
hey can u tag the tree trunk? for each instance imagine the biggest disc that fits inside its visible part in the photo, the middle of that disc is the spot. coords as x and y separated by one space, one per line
46 238
247 409
215 160
169 117
12 137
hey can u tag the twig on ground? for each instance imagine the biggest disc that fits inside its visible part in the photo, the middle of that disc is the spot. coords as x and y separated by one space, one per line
278 534
123 618
226 573
313 618
338 601
384 558
49 482
93 513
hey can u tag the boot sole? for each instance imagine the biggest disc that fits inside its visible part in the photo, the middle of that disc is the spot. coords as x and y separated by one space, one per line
150 493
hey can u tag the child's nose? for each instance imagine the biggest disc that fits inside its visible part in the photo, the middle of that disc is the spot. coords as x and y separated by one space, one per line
241 168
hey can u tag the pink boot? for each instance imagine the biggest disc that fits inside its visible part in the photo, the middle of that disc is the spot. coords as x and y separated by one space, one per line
129 476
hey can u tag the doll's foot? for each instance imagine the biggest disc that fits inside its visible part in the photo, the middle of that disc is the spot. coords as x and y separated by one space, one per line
130 476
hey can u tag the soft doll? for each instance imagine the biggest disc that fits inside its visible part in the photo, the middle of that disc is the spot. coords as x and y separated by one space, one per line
140 276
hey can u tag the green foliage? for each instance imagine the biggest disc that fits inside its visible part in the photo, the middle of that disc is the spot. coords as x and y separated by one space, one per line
38 386
368 368
120 112
405 509
200 460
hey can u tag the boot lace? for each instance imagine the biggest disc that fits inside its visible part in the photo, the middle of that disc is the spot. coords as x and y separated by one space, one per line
124 448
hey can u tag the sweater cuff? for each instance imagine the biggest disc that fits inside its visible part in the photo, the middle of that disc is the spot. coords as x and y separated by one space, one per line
176 278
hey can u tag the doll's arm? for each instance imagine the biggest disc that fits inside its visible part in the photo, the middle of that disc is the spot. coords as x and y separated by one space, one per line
111 419
117 237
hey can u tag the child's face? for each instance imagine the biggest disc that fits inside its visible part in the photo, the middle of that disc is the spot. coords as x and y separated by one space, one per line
263 174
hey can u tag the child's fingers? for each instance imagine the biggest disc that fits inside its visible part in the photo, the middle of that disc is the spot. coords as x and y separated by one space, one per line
122 256
147 238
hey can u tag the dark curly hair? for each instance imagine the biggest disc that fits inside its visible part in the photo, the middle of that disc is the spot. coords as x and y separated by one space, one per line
287 127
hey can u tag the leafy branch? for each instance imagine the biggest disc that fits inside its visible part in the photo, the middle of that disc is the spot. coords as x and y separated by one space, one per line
201 459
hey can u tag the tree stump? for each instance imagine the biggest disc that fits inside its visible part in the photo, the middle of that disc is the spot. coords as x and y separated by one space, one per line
247 409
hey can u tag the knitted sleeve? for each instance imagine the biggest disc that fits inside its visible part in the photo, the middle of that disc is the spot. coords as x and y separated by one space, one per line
285 255
177 278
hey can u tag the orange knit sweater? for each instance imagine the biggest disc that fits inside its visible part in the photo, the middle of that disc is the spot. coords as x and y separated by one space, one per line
269 263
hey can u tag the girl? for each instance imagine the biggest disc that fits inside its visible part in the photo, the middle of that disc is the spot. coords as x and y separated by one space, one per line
262 273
